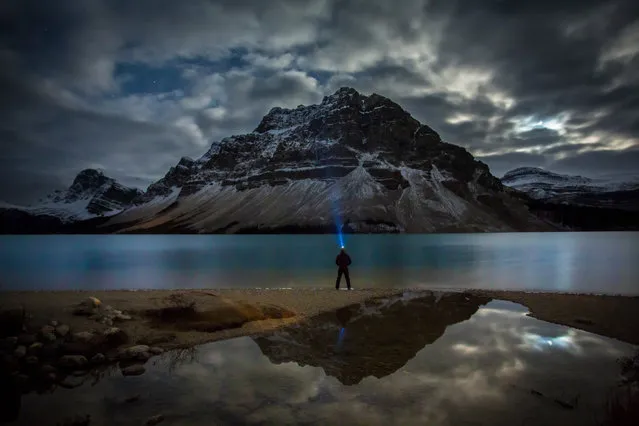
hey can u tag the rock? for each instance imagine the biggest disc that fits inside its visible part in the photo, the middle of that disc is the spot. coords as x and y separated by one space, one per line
155 350
73 361
122 317
115 336
133 370
83 336
98 358
20 352
47 329
152 421
140 352
35 348
31 360
71 382
62 330
48 337
53 323
26 339
51 377
48 369
133 398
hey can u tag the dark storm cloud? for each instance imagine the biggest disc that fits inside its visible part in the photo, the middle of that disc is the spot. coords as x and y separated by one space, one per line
481 73
602 161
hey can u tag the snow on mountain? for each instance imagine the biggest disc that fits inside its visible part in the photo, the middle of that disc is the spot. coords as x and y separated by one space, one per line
90 195
544 185
361 158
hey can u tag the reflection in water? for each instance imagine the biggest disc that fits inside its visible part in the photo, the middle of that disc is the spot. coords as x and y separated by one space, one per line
407 361
373 339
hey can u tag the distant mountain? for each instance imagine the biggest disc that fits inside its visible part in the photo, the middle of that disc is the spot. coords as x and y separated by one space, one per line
361 158
91 195
577 190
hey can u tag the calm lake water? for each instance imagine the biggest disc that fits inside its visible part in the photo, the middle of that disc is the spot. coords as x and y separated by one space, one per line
434 360
573 262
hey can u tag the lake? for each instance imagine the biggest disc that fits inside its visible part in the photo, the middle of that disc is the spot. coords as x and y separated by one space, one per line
436 360
605 262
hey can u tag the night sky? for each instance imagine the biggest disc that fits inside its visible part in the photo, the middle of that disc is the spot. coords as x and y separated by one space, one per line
130 86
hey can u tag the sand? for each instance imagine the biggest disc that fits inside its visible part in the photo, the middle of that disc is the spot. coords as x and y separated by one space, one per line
611 316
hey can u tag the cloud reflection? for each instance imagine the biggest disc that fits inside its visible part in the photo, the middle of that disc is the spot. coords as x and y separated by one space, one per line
478 371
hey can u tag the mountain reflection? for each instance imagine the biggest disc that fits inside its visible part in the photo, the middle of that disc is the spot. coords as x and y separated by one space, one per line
375 338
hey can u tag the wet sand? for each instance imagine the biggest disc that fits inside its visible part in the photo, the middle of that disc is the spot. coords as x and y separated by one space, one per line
610 316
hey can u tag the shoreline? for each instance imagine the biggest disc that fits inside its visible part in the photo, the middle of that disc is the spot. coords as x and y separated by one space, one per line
607 315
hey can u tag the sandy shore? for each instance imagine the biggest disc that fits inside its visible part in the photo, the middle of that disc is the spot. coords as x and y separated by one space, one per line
611 316
263 310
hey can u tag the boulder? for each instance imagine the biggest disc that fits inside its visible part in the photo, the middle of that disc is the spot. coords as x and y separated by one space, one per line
133 370
155 350
87 307
139 352
115 337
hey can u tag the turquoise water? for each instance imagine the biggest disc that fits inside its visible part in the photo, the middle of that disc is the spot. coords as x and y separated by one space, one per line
575 262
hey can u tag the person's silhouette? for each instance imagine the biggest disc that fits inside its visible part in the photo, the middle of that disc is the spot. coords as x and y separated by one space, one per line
342 261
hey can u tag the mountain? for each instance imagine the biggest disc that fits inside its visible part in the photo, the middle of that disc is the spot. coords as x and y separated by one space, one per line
553 187
375 338
361 159
575 202
91 195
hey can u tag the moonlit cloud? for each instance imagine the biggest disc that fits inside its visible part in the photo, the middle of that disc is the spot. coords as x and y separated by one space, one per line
134 86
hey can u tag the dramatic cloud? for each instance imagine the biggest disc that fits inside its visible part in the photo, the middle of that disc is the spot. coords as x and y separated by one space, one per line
133 86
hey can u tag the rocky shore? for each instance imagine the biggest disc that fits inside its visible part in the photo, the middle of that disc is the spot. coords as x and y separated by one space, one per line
64 338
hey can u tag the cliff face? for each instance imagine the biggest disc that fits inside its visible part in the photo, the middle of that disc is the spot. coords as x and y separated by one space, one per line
360 161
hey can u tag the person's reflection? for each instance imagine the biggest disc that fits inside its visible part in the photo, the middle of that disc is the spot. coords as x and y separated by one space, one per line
344 315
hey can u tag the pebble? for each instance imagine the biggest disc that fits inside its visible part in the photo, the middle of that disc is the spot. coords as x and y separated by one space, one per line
48 337
115 337
73 361
62 330
47 329
152 421
83 336
98 358
53 323
13 340
48 369
20 352
35 348
133 370
31 360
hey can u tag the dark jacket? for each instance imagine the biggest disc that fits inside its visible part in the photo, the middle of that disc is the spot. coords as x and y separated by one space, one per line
343 260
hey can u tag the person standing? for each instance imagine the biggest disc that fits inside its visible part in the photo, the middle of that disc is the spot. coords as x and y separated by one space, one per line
343 260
